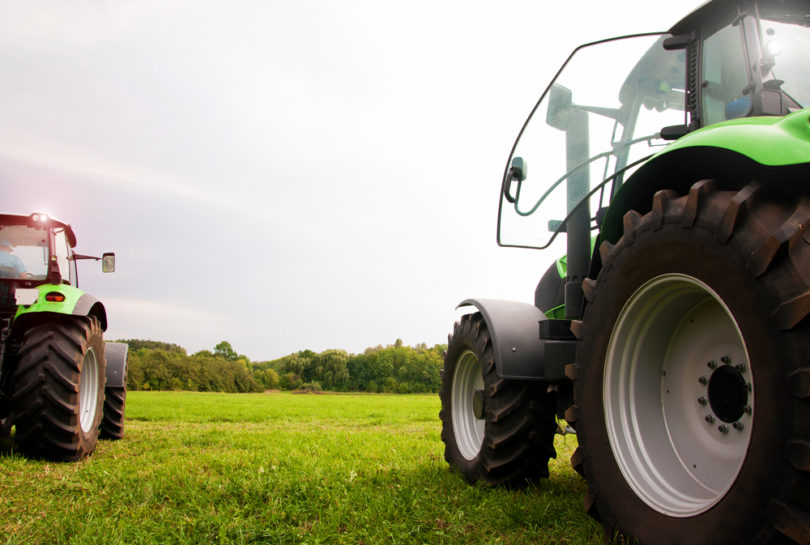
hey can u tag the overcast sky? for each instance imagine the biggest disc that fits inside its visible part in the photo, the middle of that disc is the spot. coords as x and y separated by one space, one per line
285 174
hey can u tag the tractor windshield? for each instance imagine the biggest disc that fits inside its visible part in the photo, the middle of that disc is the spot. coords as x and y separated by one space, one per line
23 252
602 114
786 41
726 80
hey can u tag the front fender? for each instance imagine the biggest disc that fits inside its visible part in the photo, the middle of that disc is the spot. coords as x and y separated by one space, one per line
772 150
520 352
116 356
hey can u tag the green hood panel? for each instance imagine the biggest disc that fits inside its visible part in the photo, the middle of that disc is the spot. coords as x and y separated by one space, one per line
72 296
770 141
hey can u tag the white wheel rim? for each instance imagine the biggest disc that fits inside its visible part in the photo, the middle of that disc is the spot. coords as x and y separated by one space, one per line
468 429
678 442
88 391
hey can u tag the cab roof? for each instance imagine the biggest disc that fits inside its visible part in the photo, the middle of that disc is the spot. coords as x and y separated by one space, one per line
722 8
39 219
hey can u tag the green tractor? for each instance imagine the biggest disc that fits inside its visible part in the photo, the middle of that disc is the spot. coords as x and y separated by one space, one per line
673 337
61 386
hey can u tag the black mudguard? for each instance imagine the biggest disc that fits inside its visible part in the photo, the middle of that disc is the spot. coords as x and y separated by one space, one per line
116 356
521 351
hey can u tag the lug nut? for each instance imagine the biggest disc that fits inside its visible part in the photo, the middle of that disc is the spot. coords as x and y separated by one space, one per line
709 418
722 428
748 386
738 426
726 359
702 400
747 409
740 367
712 364
703 380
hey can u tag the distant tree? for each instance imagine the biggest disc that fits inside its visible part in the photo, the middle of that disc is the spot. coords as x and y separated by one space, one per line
331 370
225 350
137 344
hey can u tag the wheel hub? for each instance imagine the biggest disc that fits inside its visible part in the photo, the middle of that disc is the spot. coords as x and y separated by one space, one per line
728 395
678 395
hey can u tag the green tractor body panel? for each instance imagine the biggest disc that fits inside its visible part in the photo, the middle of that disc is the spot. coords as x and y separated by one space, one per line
773 150
63 299
770 141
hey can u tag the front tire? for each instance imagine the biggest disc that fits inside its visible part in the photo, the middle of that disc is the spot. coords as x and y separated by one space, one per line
495 430
112 422
59 389
691 399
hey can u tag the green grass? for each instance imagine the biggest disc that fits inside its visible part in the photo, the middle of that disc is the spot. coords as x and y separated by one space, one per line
280 468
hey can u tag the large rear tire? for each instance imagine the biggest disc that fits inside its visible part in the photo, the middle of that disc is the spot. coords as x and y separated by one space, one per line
59 389
691 391
495 430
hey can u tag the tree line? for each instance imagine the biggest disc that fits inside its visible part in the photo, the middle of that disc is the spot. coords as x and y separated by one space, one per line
395 368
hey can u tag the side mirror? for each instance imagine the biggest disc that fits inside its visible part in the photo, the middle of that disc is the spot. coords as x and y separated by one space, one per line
517 173
108 262
518 169
559 106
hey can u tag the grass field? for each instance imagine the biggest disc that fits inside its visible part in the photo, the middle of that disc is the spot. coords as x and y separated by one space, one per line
280 468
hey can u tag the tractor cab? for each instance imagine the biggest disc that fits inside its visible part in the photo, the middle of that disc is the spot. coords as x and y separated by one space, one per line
36 250
617 102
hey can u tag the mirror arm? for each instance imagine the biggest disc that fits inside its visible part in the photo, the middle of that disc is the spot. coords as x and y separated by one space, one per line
507 185
76 257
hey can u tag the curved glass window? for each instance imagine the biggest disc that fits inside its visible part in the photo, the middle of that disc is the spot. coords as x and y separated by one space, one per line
602 113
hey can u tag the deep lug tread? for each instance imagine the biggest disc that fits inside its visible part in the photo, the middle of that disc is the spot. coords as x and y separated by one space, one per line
572 414
798 454
786 236
576 328
587 289
793 523
737 209
799 382
694 200
630 222
47 385
606 249
789 313
578 460
589 503
520 424
661 201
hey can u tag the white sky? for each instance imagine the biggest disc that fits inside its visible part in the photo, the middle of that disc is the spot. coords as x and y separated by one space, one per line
285 174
